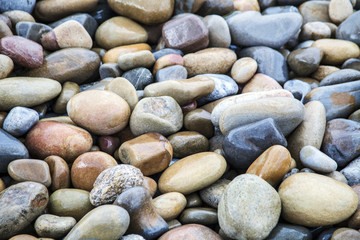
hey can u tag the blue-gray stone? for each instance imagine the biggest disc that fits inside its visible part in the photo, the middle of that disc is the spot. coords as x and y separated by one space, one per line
89 23
298 88
252 29
340 76
109 70
23 5
176 72
284 231
350 28
102 12
217 7
305 44
352 63
244 144
139 77
270 62
224 86
20 120
326 234
10 149
166 51
280 9
32 30
352 172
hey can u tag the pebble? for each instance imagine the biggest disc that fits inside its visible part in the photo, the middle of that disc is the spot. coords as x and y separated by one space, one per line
73 64
122 87
119 31
289 231
339 10
59 172
187 143
243 69
70 202
132 237
17 16
352 63
151 185
112 55
337 176
244 5
156 114
113 181
305 61
211 195
187 33
314 31
193 200
215 7
144 220
104 222
139 77
6 66
323 71
69 89
252 29
341 76
17 213
60 139
199 120
87 167
20 120
219 33
166 51
280 9
210 60
315 11
351 172
128 61
348 28
191 232
5 30
175 72
24 5
109 70
200 170
169 205
168 60
313 200
299 89
249 208
261 82
52 226
203 216
24 237
150 152
32 30
345 234
316 160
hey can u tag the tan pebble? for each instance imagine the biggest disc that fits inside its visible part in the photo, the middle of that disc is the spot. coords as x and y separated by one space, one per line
261 82
243 69
68 91
112 55
59 171
128 61
169 205
123 88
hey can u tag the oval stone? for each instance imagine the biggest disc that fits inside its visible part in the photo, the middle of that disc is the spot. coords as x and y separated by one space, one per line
202 215
316 160
169 205
191 232
199 170
243 69
59 171
112 55
187 143
52 226
211 195
6 66
313 200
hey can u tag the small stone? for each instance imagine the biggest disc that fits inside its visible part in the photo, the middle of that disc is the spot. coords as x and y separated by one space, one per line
341 76
150 152
132 237
215 7
200 170
199 121
338 176
59 172
156 114
6 66
345 234
351 172
315 11
203 216
139 77
219 33
70 203
288 231
112 55
249 208
5 30
165 51
104 222
69 90
24 237
348 28
20 120
176 72
305 61
314 159
193 200
245 5
298 88
191 232
109 70
280 9
243 69
169 205
261 82
52 226
313 200
339 10
113 181
128 61
24 5
168 60
187 143
211 195
17 16
352 63
122 87
323 71
314 31
150 185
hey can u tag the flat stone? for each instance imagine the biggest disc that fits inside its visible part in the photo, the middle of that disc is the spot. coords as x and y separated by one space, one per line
288 231
219 33
246 140
119 31
314 31
176 72
323 71
128 61
249 209
139 77
20 120
191 232
150 152
252 29
105 222
60 139
156 114
74 64
26 92
187 33
52 226
32 30
59 172
199 120
24 5
109 70
315 11
201 170
203 216
212 194
112 55
17 213
270 62
341 76
313 200
339 10
70 203
187 143
215 7
169 205
261 82
305 61
243 69
316 160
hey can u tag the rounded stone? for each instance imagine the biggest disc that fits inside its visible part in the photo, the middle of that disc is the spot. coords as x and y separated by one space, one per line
243 69
314 31
169 205
6 66
316 160
191 232
345 234
156 114
52 226
339 10
261 82
112 55
200 170
323 71
203 216
128 61
288 231
87 167
187 143
123 88
168 60
20 120
199 120
151 185
98 105
59 171
249 208
139 77
211 195
219 33
69 89
305 61
313 200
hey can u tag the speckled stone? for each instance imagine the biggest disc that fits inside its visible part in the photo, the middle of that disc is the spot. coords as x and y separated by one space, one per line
211 195
52 226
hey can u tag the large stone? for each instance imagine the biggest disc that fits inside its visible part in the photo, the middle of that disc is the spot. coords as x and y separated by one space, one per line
249 209
305 61
24 5
313 200
219 33
348 29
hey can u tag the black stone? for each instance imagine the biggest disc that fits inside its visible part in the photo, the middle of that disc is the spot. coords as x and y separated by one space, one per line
326 234
291 2
102 12
287 231
341 76
32 30
23 5
139 77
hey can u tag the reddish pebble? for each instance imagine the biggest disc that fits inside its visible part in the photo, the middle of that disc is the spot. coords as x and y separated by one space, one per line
108 144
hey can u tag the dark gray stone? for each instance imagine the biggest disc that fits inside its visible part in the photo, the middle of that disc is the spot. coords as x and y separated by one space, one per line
23 5
176 72
84 19
20 120
341 76
244 144
298 88
264 4
280 9
291 2
166 51
326 234
342 140
102 12
350 28
10 149
139 77
252 29
32 30
270 62
352 172
305 61
109 70
284 231
224 86
352 63
221 8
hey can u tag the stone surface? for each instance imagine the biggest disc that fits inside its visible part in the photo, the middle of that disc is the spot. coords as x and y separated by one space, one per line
244 5
219 33
211 195
298 88
124 88
341 76
345 234
112 55
52 226
168 60
216 7
314 31
176 72
150 152
139 77
204 216
69 89
59 172
315 11
156 114
243 69
312 200
128 61
169 205
17 16
339 10
199 120
20 120
105 222
347 29
288 231
305 61
200 170
6 66
60 139
24 5
5 29
351 172
255 201
323 71
261 82
316 160
187 143
352 63
17 213
109 70
113 181
191 232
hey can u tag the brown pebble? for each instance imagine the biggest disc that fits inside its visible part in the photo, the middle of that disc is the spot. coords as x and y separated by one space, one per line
59 171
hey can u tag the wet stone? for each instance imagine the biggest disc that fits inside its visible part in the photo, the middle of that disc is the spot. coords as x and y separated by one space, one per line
24 5
203 216
32 31
212 194
176 72
139 77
